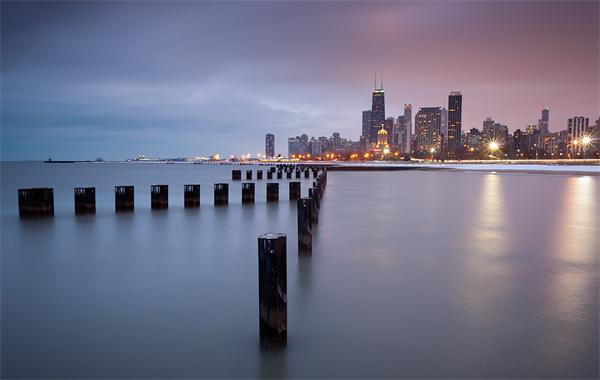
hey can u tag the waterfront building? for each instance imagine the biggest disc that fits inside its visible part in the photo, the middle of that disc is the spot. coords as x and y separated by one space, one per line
454 123
578 130
495 132
427 129
377 113
388 125
269 145
407 127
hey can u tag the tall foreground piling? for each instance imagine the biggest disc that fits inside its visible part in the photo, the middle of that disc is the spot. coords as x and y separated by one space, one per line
269 174
304 225
221 194
272 192
247 192
248 174
124 200
191 196
294 190
85 200
159 197
36 202
259 174
236 174
272 290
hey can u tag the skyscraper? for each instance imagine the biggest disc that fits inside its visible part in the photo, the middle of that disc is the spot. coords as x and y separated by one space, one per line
408 126
269 145
366 125
454 123
428 123
377 113
543 122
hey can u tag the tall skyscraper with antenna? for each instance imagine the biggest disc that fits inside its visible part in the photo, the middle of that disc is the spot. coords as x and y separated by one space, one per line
543 122
377 110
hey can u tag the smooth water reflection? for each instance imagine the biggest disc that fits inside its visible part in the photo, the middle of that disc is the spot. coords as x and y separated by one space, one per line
413 275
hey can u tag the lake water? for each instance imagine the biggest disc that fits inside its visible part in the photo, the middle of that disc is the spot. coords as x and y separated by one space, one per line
414 274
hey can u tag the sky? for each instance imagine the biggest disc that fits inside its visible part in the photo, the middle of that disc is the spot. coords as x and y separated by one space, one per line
118 79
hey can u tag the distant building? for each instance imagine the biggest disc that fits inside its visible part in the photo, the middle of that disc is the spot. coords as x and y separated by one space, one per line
377 113
543 122
407 127
367 122
454 123
270 145
428 123
578 130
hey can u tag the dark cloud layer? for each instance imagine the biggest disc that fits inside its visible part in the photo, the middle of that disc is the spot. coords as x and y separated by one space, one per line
118 79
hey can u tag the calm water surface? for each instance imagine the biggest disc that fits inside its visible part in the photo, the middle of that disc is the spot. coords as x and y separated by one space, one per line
413 275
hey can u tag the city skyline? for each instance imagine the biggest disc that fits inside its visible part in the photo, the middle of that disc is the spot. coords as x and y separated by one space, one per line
118 79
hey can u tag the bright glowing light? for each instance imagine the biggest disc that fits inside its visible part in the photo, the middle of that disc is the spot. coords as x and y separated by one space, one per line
493 145
586 140
432 150
575 142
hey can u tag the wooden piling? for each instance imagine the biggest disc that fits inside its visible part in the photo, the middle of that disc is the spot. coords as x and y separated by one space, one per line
269 174
294 191
306 173
159 197
247 192
36 202
272 290
236 174
124 200
259 174
85 200
221 194
289 174
298 173
248 174
191 196
279 174
272 192
305 225
314 197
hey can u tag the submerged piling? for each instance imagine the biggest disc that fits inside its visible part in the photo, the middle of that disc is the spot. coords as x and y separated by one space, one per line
269 174
221 194
159 197
85 200
247 192
248 174
236 174
191 196
259 174
36 202
272 290
124 200
272 192
305 225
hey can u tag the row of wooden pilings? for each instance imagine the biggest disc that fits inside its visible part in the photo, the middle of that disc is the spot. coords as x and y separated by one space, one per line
272 269
279 171
272 247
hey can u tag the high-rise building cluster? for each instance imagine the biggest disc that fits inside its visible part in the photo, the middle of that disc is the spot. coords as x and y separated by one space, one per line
438 133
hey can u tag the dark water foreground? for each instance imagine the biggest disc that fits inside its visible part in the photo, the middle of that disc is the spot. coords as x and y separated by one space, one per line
413 275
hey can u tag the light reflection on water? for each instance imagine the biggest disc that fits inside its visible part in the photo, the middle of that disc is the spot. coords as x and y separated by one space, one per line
413 274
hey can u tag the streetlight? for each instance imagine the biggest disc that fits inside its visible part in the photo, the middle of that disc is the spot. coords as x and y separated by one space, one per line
432 152
493 147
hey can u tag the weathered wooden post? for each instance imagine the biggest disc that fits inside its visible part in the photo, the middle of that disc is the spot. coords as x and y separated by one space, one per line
247 192
306 173
248 174
269 174
272 290
304 225
236 174
124 200
298 174
314 197
259 174
315 173
159 197
279 174
85 200
294 190
289 174
191 196
272 192
221 194
36 202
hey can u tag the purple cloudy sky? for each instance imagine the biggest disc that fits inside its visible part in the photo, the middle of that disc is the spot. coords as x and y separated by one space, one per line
115 79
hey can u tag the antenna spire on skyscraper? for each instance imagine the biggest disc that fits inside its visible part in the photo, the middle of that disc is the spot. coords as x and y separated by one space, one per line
382 79
375 78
